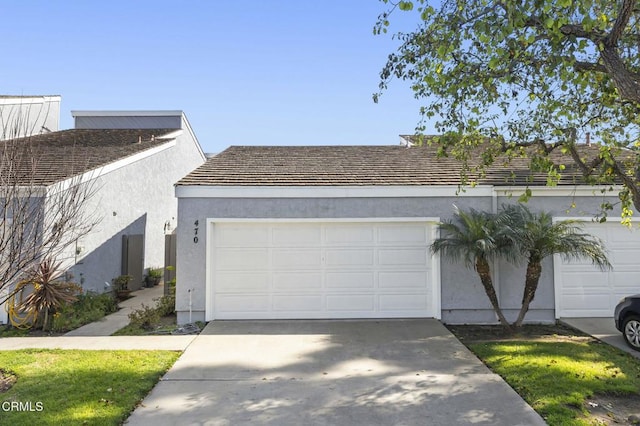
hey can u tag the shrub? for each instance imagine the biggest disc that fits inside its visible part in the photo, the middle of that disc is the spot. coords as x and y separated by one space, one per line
88 307
166 305
146 317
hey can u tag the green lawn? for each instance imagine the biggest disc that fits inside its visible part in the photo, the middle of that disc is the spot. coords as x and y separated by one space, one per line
79 387
555 378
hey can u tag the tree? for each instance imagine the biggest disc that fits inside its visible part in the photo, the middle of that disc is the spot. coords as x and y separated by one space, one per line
528 78
474 238
514 234
535 237
38 222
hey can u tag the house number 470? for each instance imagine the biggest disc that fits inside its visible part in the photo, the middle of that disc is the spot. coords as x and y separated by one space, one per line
195 231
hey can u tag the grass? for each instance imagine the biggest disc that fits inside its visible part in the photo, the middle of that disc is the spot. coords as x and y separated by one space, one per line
556 378
80 387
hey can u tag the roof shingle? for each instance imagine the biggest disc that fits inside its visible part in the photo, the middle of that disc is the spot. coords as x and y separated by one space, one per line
353 166
52 157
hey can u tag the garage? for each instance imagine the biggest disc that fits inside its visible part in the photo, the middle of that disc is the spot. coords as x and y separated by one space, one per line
583 290
319 269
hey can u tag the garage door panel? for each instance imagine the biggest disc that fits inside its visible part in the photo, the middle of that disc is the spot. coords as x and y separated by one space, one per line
285 259
352 303
584 279
401 256
408 302
349 235
296 236
348 281
241 259
243 281
244 236
321 270
297 281
583 290
349 258
405 235
625 279
297 303
623 236
624 257
402 280
242 303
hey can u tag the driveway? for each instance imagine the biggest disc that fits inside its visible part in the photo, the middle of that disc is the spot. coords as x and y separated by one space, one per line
371 372
603 329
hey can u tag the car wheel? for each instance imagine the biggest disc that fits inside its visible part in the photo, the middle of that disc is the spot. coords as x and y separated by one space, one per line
631 332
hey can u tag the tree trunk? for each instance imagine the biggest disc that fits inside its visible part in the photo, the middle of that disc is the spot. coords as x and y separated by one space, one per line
534 269
484 271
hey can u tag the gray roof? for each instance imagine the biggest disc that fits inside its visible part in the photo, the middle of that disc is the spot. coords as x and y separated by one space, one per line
353 166
51 157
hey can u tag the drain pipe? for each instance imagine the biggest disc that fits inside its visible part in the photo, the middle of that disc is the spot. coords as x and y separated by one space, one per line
190 305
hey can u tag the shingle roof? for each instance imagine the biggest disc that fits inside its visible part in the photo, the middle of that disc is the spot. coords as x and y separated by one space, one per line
353 166
52 157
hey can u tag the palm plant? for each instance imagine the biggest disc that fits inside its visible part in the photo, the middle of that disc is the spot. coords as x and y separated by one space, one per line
46 291
475 238
535 236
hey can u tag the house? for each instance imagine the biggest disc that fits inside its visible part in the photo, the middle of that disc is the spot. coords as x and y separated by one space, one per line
22 116
267 232
131 160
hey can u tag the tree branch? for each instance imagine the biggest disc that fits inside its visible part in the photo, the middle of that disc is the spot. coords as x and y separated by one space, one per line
624 14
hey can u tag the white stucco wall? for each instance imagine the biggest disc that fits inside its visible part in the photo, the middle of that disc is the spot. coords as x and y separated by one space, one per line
135 199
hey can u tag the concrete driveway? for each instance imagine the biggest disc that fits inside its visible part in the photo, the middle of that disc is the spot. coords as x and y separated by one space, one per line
372 372
603 329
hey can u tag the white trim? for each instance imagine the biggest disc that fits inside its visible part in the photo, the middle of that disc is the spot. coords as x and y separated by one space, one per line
208 282
591 219
380 191
559 191
25 100
196 191
170 135
129 113
209 247
187 125
325 219
435 275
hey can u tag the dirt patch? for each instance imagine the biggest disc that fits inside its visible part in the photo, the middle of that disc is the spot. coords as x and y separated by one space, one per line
604 410
7 380
614 410
469 334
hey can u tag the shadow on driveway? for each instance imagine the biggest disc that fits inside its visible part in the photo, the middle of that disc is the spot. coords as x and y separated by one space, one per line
369 372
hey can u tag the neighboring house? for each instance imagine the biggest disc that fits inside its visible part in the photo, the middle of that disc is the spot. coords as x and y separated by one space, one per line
344 232
132 160
28 115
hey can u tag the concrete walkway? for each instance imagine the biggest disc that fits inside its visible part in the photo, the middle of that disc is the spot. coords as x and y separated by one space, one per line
603 329
117 320
376 372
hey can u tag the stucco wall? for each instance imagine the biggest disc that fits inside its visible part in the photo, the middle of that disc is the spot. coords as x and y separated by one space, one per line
135 199
463 299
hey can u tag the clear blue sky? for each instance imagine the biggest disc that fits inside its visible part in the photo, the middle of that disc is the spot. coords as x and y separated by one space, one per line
254 72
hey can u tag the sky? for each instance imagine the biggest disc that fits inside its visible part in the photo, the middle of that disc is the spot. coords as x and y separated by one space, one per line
252 72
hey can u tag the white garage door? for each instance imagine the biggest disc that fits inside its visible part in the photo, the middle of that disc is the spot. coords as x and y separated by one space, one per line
321 270
582 290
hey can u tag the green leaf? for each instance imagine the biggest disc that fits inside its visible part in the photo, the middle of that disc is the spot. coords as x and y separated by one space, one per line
405 5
